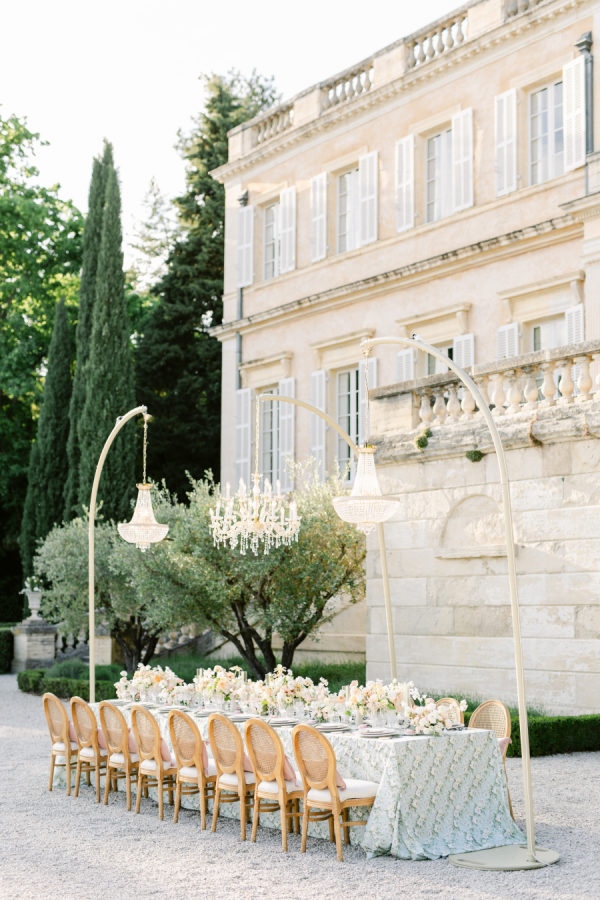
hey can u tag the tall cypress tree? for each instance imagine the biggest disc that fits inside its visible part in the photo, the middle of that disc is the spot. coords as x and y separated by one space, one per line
109 373
48 461
87 295
178 364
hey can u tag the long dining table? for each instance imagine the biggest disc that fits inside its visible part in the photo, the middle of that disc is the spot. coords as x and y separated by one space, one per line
437 795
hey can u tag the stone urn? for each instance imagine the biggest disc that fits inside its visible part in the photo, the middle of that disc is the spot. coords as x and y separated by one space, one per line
34 639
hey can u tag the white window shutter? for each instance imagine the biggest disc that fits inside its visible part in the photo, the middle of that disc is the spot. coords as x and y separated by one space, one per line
507 341
506 142
318 217
574 112
574 321
367 191
363 424
317 424
463 350
462 159
405 183
286 434
243 434
245 245
405 365
287 230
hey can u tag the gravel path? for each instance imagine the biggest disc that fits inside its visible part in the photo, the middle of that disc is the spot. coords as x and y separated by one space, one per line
54 846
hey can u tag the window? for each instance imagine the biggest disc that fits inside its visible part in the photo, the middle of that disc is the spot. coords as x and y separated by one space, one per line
546 138
357 205
279 238
548 333
438 176
347 414
245 245
269 438
434 365
347 219
271 248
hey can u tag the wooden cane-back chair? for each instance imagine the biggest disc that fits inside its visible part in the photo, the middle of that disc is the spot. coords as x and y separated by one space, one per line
196 774
121 762
233 783
272 792
91 756
494 715
317 763
62 745
153 770
451 708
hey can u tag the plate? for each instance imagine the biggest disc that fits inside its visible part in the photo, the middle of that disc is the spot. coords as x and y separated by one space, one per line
378 733
332 726
239 717
278 721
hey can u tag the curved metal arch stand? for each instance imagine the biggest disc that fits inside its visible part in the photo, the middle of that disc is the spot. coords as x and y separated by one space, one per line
380 533
512 856
92 519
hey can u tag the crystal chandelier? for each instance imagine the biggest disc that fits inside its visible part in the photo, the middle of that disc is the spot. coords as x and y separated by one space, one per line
143 529
254 516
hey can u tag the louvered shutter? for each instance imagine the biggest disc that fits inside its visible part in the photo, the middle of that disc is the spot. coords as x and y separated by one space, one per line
575 324
405 365
462 159
318 217
245 245
507 341
405 183
317 424
367 193
574 112
463 350
243 434
363 424
286 435
287 230
506 142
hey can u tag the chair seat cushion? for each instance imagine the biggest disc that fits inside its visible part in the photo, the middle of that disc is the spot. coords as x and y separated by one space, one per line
356 788
149 765
59 745
90 753
230 779
192 771
271 787
119 760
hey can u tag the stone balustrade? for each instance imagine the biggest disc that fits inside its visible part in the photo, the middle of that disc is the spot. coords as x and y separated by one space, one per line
347 85
437 39
274 123
514 7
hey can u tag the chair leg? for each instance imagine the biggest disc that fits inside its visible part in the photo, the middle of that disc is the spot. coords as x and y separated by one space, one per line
97 776
161 788
338 833
68 774
128 789
304 828
138 793
243 814
331 831
107 784
170 789
216 802
296 809
88 776
284 826
202 792
52 761
177 802
146 789
77 778
346 829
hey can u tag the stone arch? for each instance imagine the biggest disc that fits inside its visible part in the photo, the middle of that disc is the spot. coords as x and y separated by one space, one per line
473 527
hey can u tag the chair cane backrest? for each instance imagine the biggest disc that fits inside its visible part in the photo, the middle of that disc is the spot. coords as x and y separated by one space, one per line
451 708
147 734
84 723
57 719
315 758
494 715
186 739
227 745
114 726
265 751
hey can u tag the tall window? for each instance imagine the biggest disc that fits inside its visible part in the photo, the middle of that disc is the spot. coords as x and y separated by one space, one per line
271 253
269 438
546 137
434 365
438 176
347 413
347 211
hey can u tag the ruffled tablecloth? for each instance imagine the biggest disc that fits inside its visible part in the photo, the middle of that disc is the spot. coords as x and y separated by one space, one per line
437 795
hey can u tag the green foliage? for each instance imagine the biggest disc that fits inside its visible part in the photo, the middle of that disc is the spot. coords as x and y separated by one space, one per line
423 439
48 461
474 455
109 372
40 255
68 668
6 649
31 681
178 364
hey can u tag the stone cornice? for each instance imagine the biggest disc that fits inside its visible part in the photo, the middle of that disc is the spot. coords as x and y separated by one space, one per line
583 208
541 234
410 79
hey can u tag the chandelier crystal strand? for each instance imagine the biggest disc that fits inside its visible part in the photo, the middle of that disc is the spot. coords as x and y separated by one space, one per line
143 529
254 516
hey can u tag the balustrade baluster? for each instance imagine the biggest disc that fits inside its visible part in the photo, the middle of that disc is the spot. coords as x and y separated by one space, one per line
460 36
425 410
439 407
514 393
584 382
467 404
453 404
565 385
530 389
498 395
548 386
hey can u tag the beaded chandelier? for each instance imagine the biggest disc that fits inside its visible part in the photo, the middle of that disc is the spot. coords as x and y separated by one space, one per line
256 516
143 529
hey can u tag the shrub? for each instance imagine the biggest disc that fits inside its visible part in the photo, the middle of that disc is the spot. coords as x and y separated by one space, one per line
6 649
37 681
31 681
68 668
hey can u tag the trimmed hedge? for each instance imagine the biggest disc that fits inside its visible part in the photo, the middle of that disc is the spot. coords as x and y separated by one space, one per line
6 649
36 681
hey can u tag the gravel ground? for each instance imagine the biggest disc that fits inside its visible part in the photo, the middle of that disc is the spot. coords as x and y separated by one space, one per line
54 846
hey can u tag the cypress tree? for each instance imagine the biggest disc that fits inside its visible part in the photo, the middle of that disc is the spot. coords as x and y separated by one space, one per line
48 460
87 296
109 373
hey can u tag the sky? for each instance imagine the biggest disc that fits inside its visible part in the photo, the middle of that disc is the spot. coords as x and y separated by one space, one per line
80 71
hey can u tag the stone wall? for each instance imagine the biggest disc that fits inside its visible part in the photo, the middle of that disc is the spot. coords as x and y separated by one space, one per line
447 560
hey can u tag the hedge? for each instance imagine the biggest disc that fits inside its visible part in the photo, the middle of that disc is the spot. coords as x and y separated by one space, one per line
36 681
6 649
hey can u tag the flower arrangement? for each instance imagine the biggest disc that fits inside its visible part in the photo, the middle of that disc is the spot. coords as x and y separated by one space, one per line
427 718
148 683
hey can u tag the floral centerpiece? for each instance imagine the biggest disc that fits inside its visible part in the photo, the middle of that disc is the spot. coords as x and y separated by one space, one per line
148 683
428 718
